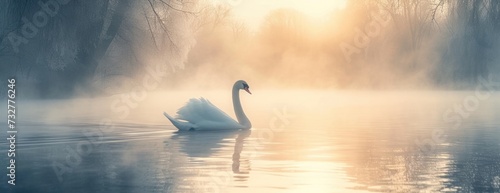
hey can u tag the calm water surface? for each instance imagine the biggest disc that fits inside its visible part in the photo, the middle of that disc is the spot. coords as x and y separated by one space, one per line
302 141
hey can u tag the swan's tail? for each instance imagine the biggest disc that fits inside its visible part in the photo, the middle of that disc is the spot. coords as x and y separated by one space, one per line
169 117
181 125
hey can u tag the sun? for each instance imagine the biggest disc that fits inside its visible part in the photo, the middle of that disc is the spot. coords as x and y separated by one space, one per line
315 9
253 12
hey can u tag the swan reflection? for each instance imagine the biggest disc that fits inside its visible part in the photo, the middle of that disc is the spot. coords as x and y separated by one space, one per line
200 144
238 147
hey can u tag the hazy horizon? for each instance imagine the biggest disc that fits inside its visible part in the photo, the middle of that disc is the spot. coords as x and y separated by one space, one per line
272 44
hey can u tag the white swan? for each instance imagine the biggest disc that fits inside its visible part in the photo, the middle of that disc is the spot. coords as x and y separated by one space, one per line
200 114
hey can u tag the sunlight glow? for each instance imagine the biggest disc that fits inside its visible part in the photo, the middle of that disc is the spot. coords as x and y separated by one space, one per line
253 12
316 9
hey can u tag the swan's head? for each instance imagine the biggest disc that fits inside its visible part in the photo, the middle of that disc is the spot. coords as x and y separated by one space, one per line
243 85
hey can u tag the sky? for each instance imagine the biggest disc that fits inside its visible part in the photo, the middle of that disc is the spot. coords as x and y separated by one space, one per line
253 12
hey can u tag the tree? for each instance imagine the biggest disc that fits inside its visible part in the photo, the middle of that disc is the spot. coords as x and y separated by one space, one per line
283 29
66 50
473 28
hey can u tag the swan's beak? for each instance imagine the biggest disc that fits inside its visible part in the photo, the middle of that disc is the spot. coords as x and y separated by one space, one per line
248 91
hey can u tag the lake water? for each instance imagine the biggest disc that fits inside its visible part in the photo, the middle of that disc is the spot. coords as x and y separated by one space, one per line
301 141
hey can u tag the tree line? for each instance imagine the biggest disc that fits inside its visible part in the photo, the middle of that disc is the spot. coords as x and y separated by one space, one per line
62 47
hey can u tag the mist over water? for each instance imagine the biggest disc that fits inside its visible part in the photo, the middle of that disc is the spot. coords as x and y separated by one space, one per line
376 96
350 141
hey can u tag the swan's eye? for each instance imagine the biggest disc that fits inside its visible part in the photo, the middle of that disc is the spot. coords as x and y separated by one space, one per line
245 86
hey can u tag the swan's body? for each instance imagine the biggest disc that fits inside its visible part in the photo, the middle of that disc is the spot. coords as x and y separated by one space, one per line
200 114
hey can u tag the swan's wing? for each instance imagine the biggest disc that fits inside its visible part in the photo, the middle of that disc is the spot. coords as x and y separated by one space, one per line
203 112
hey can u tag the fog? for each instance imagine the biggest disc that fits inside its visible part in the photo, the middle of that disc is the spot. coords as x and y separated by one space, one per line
376 95
74 48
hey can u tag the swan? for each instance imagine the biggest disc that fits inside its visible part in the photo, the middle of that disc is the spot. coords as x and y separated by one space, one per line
201 114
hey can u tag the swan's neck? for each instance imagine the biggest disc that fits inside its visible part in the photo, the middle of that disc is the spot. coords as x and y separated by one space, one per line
238 110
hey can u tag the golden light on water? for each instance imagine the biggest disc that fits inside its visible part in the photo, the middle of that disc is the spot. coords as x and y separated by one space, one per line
346 95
